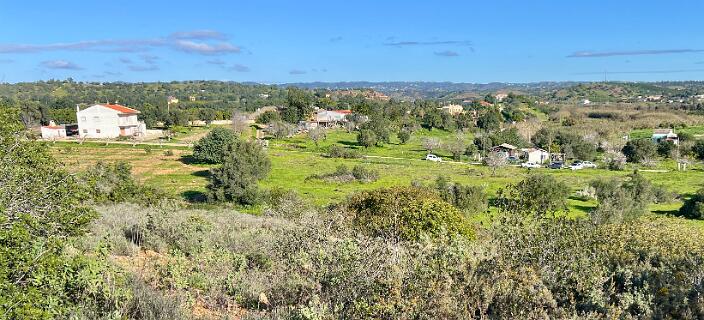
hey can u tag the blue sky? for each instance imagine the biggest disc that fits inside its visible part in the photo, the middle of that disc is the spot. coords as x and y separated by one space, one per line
304 41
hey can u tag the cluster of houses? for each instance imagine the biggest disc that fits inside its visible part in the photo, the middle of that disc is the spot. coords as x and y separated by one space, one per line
99 121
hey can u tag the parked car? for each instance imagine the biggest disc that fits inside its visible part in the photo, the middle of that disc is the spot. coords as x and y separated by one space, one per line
576 166
432 157
589 165
512 159
530 165
556 165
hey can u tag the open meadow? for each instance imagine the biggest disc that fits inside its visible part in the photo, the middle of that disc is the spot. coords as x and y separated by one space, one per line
296 159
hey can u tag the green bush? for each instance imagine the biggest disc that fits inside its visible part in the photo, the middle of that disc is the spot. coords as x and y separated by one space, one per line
693 207
537 194
105 182
336 151
471 199
362 174
621 201
212 148
637 151
405 213
235 180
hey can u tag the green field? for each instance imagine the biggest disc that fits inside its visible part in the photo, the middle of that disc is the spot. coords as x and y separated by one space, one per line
292 165
697 131
411 150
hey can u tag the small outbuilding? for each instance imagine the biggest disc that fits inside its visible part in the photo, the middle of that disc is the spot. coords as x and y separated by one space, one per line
506 149
53 131
535 155
660 135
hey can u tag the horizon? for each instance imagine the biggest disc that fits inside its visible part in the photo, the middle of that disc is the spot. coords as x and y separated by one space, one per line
315 41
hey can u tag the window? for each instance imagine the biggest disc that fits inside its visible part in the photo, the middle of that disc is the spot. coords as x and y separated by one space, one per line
85 130
97 130
96 119
83 118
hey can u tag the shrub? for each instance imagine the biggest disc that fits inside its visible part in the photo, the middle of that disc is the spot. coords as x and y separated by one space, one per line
537 194
693 208
337 151
268 117
405 213
666 148
698 149
471 199
637 151
363 174
281 203
366 138
404 136
343 174
148 149
169 153
243 165
105 182
621 200
212 148
615 160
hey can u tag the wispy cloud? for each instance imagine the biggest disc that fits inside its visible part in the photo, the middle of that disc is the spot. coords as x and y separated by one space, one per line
216 62
125 60
148 58
239 68
60 64
297 72
143 68
598 54
336 39
206 48
429 43
447 53
199 34
111 73
206 42
640 72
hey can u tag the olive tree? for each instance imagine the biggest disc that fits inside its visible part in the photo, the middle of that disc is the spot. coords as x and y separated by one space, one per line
244 164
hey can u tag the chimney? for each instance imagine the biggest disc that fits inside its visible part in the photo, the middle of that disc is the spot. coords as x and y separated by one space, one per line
78 108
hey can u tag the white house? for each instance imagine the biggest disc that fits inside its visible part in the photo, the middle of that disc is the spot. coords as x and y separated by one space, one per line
109 121
330 117
535 155
53 131
665 135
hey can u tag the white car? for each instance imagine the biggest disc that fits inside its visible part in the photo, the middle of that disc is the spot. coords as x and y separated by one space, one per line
576 166
588 164
432 157
530 165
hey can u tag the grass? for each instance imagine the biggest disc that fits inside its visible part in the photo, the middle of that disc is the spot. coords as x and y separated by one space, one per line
290 168
697 131
411 150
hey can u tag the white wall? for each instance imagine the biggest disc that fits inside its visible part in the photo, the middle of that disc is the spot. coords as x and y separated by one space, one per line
98 118
49 133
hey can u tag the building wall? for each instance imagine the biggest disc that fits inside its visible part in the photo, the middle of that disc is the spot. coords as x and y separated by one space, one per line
50 133
98 122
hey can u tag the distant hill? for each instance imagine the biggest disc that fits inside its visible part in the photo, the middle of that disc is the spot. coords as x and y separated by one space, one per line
435 90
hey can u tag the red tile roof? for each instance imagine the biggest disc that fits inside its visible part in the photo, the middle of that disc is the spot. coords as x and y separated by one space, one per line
53 127
343 111
120 109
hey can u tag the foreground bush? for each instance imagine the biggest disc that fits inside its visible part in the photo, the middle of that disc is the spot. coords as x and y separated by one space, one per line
41 213
406 213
